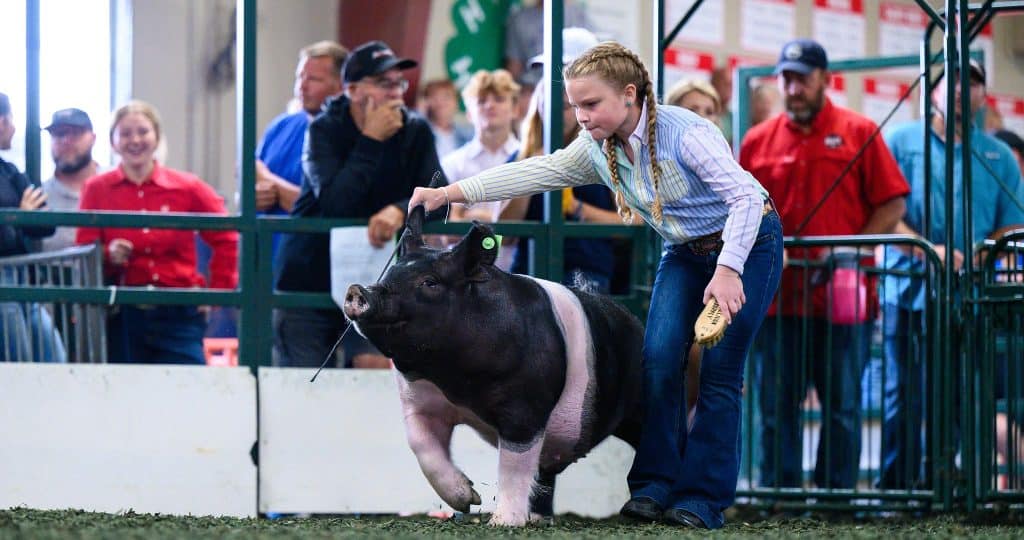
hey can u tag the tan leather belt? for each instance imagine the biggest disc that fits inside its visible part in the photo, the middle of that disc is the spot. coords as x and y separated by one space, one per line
709 243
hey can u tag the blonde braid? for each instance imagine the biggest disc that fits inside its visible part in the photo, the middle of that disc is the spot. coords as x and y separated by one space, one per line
652 117
625 212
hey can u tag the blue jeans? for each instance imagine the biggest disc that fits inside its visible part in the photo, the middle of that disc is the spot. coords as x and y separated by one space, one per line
156 335
796 351
697 471
27 333
902 445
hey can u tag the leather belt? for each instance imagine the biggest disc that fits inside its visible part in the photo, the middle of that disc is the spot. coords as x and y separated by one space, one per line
711 243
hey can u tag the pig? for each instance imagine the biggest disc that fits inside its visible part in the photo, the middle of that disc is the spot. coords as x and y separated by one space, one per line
541 371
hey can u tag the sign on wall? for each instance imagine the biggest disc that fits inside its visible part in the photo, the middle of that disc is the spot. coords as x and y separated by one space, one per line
685 64
479 38
766 25
840 24
706 26
900 29
881 96
1012 110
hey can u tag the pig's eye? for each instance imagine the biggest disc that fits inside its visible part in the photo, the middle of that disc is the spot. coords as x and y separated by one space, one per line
430 283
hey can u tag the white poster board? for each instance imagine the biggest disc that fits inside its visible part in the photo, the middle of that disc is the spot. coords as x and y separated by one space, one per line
766 25
706 26
840 25
881 95
686 64
354 260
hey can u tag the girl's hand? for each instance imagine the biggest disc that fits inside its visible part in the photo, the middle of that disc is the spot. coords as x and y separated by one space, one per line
430 198
119 251
726 287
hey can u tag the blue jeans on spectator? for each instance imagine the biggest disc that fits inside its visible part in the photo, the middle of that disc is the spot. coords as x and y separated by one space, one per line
26 329
836 356
697 470
902 437
156 335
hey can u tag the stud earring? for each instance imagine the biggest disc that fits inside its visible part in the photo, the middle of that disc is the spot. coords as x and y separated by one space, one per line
629 103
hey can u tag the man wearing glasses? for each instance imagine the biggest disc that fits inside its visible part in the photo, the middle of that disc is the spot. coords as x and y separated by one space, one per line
71 142
363 156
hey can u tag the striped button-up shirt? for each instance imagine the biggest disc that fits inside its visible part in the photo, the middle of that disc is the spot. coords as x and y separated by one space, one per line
703 190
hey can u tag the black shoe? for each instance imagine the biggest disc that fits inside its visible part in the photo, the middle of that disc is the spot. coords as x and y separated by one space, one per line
684 518
643 508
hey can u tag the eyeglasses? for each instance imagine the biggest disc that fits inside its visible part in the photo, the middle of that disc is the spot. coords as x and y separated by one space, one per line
391 84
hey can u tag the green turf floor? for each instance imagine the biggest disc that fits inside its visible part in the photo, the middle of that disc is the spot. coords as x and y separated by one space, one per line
25 523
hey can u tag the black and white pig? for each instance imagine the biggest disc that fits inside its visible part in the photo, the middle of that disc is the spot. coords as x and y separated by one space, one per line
539 370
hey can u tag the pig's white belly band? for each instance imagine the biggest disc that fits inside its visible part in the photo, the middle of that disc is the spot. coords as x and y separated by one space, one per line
568 421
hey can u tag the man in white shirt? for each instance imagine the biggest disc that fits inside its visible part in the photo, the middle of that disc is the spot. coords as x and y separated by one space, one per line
490 98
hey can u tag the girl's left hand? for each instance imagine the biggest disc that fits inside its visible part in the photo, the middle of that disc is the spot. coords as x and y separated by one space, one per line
726 287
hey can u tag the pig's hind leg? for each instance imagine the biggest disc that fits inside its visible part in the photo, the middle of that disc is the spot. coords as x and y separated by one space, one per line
430 440
517 465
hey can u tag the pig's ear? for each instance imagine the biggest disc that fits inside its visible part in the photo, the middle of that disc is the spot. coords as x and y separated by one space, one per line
412 241
478 249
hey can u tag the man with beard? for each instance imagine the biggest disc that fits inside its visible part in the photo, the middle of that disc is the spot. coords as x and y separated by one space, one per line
801 157
71 142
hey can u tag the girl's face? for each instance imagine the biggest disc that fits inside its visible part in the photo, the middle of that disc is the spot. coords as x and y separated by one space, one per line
135 140
600 109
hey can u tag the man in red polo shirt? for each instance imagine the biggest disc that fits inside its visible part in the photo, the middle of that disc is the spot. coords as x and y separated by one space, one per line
799 157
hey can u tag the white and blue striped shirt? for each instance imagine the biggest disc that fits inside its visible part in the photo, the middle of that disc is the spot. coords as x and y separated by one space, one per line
703 189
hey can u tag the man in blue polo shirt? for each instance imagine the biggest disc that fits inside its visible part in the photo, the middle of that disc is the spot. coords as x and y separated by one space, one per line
997 205
279 155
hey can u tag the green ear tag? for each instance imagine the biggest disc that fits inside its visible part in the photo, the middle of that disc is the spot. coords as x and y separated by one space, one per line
488 242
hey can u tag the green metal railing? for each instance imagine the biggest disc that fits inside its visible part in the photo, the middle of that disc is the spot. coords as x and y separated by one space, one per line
255 295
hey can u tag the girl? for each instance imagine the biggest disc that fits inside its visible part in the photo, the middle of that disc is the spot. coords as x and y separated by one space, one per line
722 240
154 257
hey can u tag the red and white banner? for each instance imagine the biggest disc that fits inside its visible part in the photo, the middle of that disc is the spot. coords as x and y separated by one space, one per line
1011 108
836 90
766 25
839 25
900 29
881 96
685 64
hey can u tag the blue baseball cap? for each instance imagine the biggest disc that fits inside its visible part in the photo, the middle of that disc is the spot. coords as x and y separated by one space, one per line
802 56
70 117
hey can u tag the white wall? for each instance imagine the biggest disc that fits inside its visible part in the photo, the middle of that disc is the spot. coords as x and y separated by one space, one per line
174 42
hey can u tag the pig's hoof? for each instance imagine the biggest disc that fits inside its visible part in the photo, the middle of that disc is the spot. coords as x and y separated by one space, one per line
462 500
542 521
508 519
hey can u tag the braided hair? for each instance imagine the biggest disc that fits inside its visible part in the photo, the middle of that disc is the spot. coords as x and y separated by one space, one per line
618 66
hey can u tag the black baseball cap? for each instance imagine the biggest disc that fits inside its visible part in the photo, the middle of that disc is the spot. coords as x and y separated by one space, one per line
370 59
70 117
802 56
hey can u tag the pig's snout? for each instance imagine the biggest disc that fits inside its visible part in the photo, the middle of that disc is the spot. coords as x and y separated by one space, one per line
356 302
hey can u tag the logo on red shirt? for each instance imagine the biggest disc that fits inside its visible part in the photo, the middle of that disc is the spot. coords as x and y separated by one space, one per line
833 141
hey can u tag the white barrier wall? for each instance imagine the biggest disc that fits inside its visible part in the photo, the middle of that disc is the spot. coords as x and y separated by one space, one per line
177 440
338 446
167 439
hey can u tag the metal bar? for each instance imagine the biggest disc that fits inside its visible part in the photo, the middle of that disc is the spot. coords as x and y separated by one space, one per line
937 19
32 143
121 295
658 36
254 308
682 22
554 21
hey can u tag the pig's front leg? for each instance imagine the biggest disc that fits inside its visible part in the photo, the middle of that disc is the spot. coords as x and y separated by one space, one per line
517 467
430 439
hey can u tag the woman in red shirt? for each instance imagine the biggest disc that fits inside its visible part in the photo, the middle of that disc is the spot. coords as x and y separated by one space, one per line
140 257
